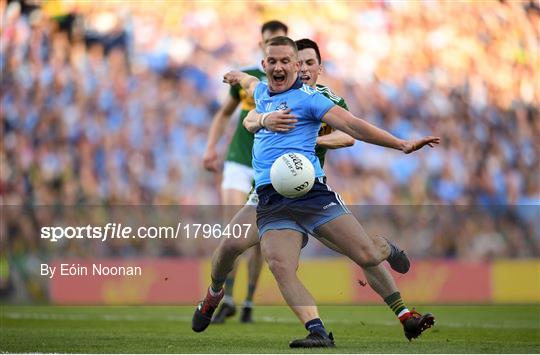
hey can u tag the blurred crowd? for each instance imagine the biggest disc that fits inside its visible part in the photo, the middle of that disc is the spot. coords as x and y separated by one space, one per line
111 104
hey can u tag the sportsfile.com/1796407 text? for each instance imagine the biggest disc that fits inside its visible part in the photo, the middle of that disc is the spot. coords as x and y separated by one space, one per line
120 231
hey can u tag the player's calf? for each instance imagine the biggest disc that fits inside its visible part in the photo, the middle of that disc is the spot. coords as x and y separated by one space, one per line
227 253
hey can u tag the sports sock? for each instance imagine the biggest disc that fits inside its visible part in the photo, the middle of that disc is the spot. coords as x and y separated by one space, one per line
213 292
229 285
316 326
217 285
397 306
228 300
250 292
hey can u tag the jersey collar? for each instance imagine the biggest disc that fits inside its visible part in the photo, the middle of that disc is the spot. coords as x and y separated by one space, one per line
297 85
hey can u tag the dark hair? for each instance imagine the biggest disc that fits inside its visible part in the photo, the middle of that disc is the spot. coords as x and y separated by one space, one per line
274 26
305 43
282 41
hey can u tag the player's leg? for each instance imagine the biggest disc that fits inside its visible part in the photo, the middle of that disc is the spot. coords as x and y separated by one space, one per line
232 198
255 262
379 279
281 241
347 234
382 282
223 261
340 232
235 188
281 250
229 249
227 308
338 229
322 213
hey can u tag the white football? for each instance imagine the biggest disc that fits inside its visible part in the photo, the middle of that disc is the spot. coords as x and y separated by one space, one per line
292 175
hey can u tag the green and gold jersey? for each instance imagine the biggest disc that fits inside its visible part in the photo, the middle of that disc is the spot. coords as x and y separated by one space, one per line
325 129
240 149
242 140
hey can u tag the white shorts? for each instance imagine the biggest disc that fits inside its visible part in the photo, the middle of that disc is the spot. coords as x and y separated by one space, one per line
253 198
237 177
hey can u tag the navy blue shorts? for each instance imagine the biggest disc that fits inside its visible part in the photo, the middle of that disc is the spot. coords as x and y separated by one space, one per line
303 214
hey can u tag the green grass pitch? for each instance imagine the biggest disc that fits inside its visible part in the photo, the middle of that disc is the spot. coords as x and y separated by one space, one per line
357 329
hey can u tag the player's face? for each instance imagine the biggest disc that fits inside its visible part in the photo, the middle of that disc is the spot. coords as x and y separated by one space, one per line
268 35
281 67
310 68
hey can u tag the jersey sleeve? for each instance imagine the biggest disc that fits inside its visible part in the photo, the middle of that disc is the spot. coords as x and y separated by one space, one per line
257 93
342 103
319 105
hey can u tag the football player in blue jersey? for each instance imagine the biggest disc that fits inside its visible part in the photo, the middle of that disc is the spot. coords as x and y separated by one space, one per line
283 222
378 276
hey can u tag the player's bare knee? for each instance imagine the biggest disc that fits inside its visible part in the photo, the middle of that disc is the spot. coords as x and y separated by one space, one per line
281 269
368 256
230 249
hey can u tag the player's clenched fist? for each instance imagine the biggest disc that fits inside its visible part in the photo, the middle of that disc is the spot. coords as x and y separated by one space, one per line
246 81
233 77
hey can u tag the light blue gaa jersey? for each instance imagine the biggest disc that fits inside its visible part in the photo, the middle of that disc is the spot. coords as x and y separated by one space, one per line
309 106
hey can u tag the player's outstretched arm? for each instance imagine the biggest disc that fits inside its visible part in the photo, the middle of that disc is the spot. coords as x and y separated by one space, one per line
246 81
335 140
275 121
217 127
362 130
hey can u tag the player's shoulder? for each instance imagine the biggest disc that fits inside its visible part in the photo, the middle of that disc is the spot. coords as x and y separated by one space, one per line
326 91
260 89
262 85
307 90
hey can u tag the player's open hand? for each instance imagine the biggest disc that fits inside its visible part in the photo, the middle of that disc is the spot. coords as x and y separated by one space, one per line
411 146
280 121
233 77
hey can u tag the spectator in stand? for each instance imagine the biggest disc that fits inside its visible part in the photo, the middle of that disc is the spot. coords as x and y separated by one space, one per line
114 109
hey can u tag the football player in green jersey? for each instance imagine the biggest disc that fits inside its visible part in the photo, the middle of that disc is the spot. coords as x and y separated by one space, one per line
378 276
238 173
